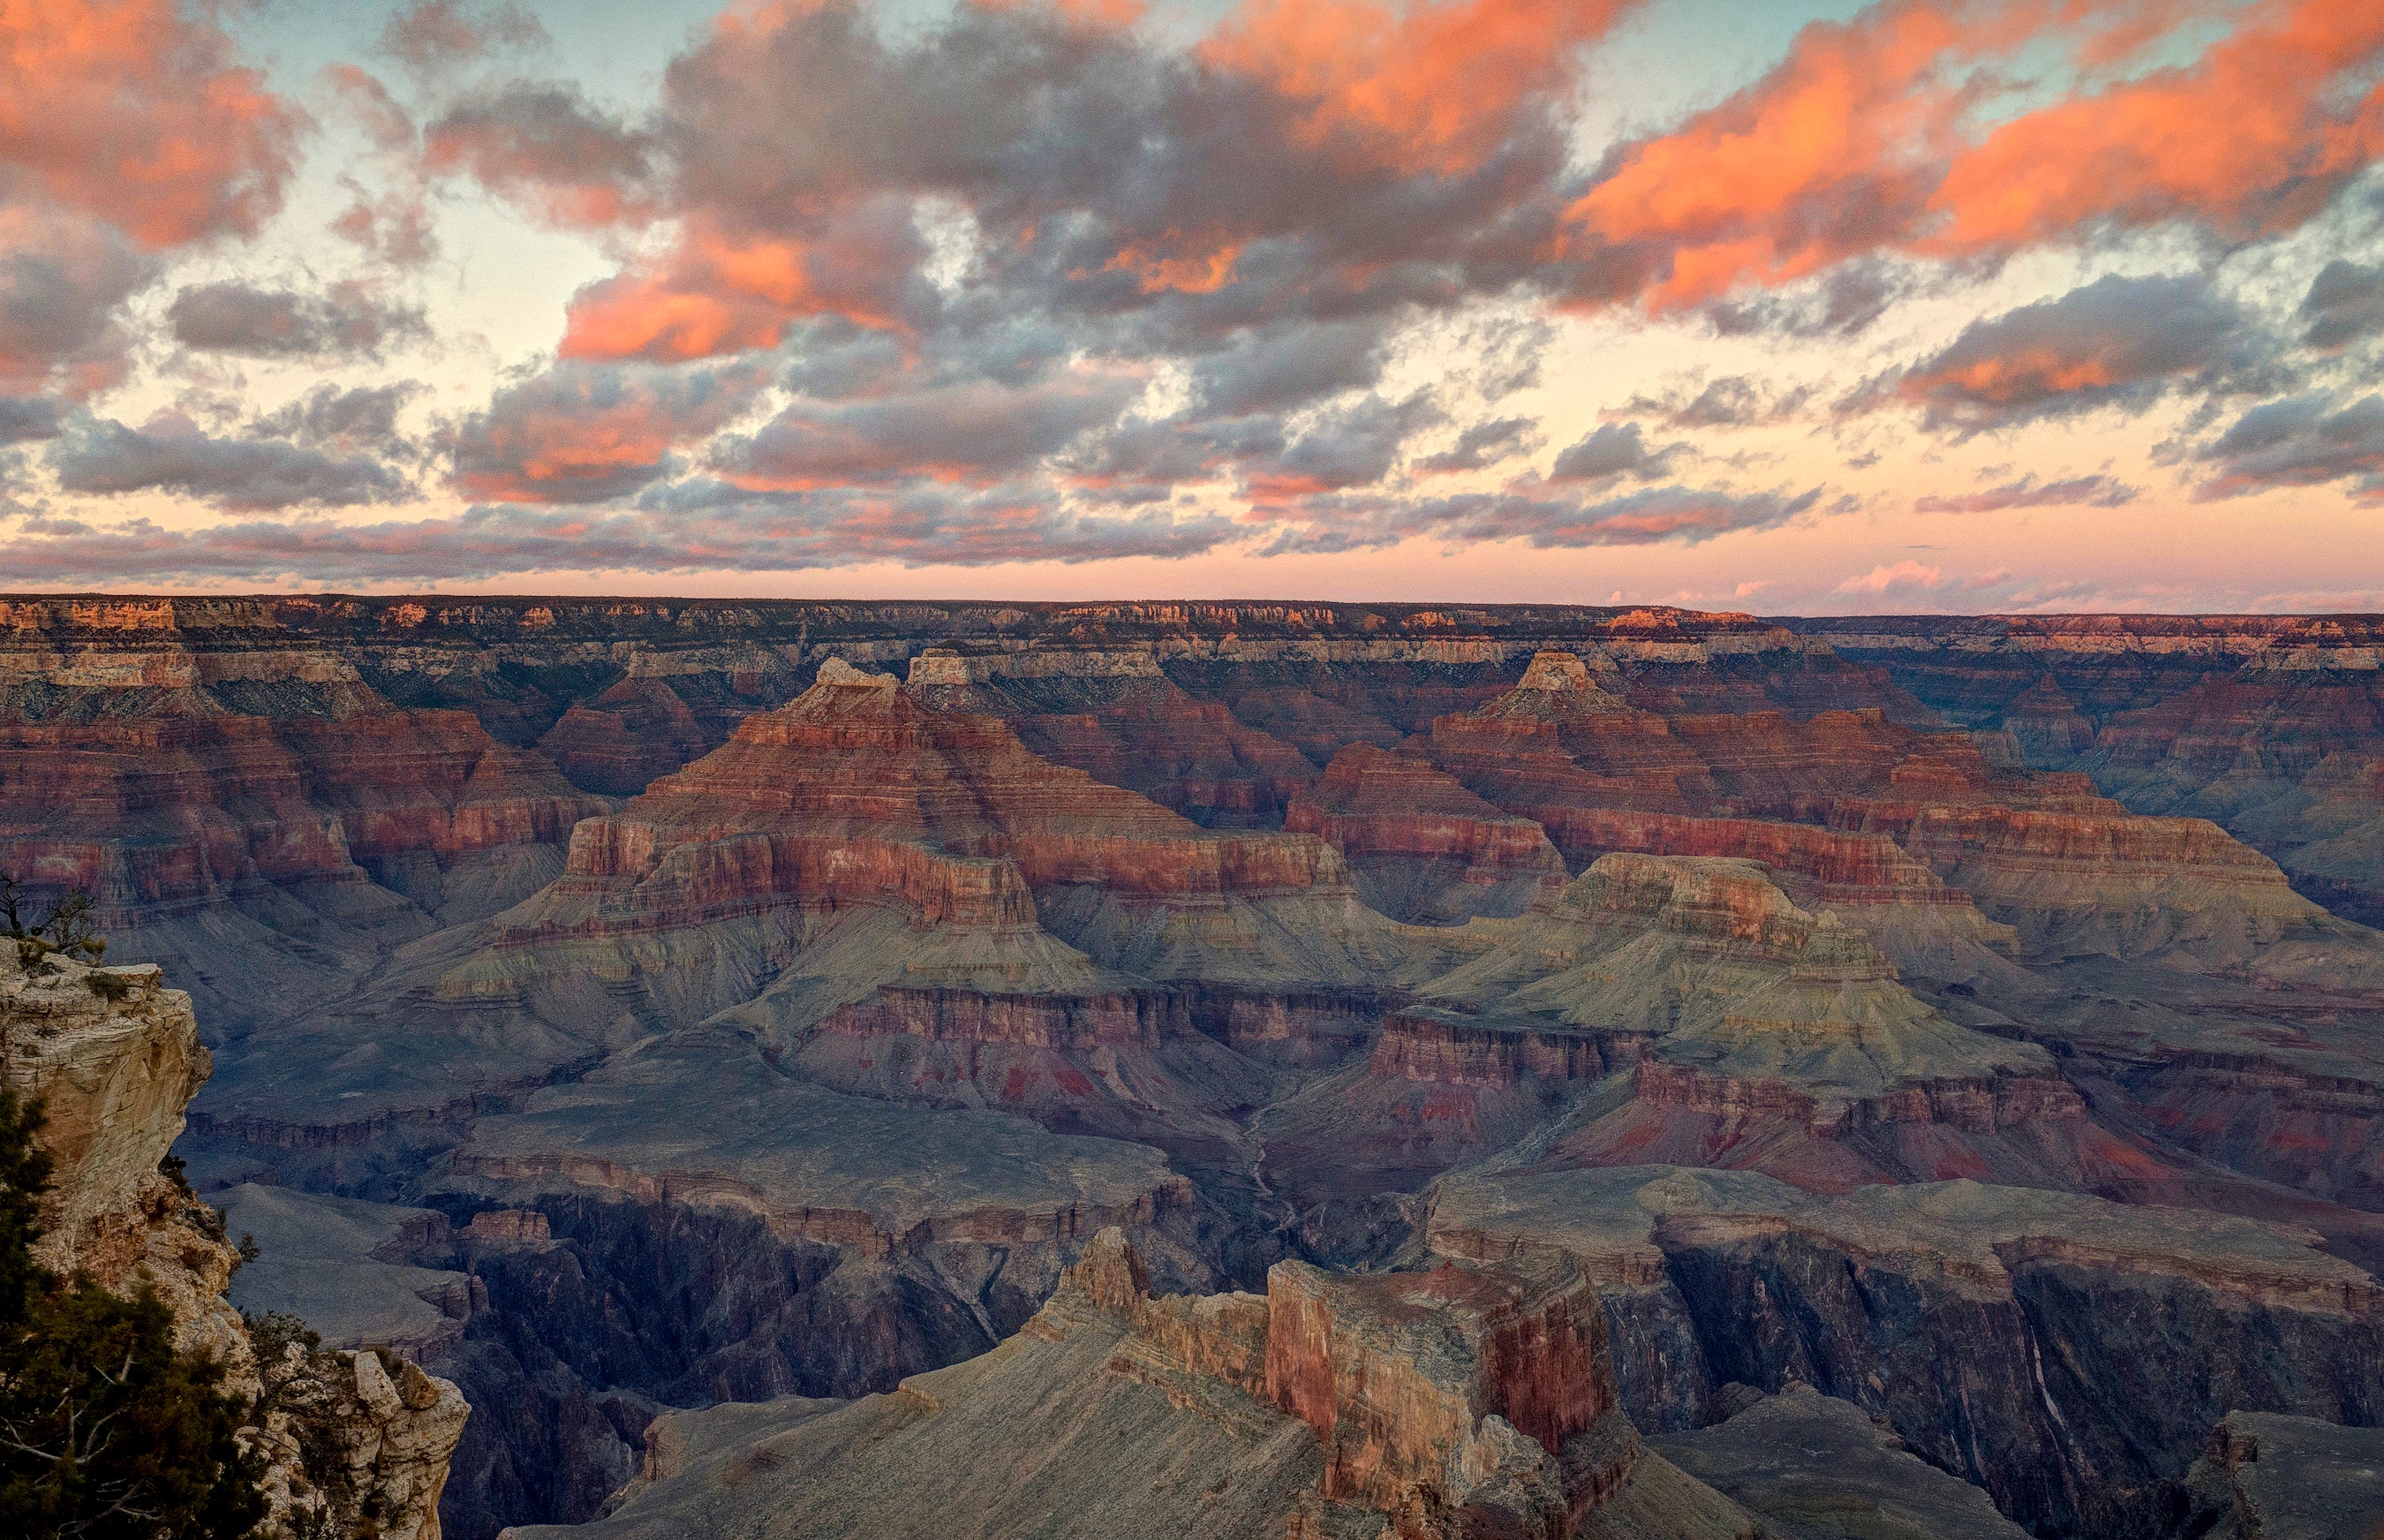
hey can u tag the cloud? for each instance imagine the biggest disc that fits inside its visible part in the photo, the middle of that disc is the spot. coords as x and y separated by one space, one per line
27 419
1351 445
1905 577
1483 445
1732 401
354 419
136 114
589 433
1840 302
62 276
710 530
975 432
2091 491
391 222
236 317
545 149
2251 139
432 38
2117 341
1653 515
1613 452
100 457
1865 140
2344 303
2301 441
1438 87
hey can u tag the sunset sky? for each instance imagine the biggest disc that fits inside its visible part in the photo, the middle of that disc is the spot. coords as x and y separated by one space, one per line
1733 303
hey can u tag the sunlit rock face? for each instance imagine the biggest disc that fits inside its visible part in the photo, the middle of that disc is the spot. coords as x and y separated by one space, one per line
699 1028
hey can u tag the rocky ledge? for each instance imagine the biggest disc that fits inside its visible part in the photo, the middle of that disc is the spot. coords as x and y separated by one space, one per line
354 1441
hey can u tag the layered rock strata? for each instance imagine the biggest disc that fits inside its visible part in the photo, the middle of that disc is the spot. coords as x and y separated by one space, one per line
1421 847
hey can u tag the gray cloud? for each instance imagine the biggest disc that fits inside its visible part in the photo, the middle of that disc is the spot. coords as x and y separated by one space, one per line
1650 516
1732 401
2117 341
235 317
2091 491
706 527
1842 302
61 279
433 37
972 431
2302 442
2344 303
1484 445
546 148
24 419
348 419
100 457
1615 450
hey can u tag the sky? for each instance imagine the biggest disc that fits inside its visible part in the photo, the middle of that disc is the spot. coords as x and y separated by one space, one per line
1789 307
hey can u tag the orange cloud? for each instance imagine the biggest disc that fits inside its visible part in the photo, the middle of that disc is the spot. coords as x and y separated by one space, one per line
1427 85
719 292
2255 137
1827 157
131 111
1860 142
1197 272
583 433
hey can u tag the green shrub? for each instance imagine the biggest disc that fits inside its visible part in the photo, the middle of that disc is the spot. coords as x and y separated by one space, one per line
110 1432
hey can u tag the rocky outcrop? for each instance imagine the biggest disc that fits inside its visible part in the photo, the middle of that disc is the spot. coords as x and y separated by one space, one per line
1923 923
1397 1407
1419 845
113 1057
2090 884
2047 727
2287 1478
209 797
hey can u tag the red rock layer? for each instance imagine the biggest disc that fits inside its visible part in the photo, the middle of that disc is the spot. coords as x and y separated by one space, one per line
166 815
1370 802
855 791
1394 1371
1821 866
1143 1019
1442 1049
624 738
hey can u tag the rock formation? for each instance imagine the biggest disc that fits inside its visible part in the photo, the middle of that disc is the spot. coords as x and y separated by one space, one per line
1464 1401
113 1057
2288 1478
626 1006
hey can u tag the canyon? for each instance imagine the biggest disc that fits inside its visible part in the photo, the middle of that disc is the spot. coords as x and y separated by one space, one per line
1268 1069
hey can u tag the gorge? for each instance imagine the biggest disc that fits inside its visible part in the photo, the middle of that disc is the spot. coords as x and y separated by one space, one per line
1392 1070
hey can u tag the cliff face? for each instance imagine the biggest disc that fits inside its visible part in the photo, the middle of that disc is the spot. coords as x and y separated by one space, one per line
2063 1353
113 1065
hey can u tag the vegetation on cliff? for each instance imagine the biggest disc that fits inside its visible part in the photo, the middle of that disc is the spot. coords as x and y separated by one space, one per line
105 1430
